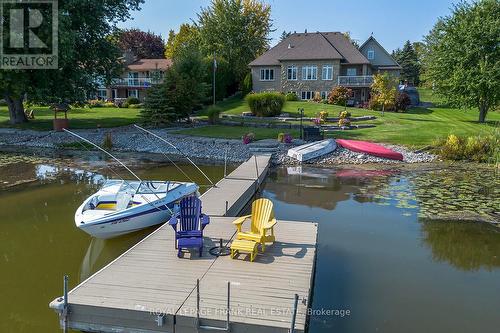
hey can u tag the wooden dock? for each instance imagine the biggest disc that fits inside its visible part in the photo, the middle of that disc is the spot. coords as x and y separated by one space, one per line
150 289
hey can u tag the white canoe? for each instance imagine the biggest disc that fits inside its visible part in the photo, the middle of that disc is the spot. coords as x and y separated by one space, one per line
312 150
121 207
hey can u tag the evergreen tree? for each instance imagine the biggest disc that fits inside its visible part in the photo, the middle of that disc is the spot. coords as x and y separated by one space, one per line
183 90
407 58
285 35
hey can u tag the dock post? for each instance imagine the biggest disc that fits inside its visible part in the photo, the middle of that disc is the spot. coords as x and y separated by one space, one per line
228 304
64 313
294 313
197 303
225 161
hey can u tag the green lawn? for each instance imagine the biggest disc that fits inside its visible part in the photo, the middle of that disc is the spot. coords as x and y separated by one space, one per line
79 118
417 127
237 132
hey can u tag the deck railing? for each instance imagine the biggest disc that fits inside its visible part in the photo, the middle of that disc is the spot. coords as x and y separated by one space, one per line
356 81
136 82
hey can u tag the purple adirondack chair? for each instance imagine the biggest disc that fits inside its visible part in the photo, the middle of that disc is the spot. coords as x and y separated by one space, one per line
188 225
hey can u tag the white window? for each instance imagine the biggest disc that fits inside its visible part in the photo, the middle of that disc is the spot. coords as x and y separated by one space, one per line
133 78
133 93
307 95
101 93
310 73
351 72
371 54
324 94
327 73
291 73
267 74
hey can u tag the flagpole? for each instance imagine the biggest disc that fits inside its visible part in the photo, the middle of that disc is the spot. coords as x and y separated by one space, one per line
213 78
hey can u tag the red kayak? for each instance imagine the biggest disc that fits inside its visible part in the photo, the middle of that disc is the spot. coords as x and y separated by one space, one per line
370 148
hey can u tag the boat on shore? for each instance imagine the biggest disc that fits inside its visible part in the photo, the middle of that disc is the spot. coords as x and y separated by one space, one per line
312 150
370 148
121 206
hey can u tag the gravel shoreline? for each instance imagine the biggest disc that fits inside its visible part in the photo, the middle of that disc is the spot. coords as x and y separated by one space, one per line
131 139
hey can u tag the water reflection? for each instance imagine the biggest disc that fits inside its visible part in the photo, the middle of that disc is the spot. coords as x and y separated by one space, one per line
377 259
465 245
100 252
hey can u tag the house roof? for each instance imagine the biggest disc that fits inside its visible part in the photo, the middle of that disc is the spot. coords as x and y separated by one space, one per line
150 64
312 46
395 66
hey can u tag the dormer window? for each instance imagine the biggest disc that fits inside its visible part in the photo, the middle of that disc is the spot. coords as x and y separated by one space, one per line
371 54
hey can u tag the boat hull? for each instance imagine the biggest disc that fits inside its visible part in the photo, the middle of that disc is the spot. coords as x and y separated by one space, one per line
312 150
124 224
370 148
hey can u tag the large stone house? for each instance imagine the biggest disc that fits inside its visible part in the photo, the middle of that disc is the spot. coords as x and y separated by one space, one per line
138 76
306 63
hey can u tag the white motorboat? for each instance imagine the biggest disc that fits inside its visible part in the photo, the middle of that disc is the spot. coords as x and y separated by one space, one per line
121 207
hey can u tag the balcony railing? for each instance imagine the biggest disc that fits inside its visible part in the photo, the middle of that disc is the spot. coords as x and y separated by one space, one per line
136 82
355 81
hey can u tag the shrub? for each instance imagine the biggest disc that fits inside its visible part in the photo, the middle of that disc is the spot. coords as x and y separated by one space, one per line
247 138
3 102
109 104
247 84
292 97
288 138
133 100
95 103
213 113
403 101
317 97
339 95
344 122
473 148
281 137
345 114
119 103
323 115
266 104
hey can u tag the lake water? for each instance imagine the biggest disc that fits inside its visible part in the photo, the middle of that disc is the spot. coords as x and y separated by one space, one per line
378 255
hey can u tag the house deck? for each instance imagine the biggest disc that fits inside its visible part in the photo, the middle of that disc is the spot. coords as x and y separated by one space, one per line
150 289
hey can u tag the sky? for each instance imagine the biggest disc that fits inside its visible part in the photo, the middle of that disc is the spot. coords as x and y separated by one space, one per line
391 22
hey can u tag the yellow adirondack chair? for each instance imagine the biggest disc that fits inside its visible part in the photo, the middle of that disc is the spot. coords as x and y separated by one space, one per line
262 223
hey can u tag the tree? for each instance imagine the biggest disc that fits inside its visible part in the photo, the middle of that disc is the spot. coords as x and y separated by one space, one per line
384 91
85 55
143 44
236 30
285 35
339 95
187 38
354 42
408 59
183 89
462 58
